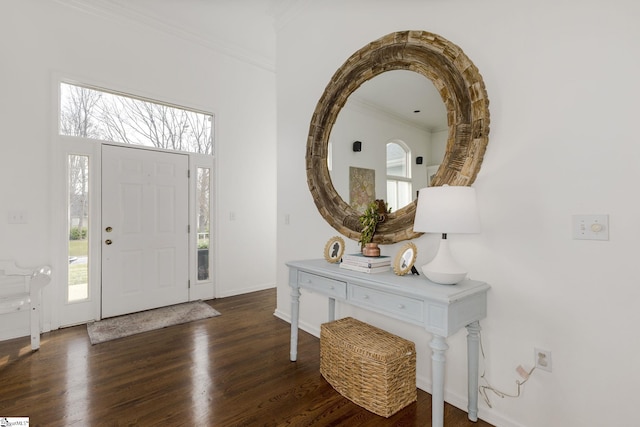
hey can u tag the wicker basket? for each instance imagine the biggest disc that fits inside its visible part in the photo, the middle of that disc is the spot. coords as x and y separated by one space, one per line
369 366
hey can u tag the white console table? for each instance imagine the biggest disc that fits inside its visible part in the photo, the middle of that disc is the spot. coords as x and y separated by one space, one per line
441 309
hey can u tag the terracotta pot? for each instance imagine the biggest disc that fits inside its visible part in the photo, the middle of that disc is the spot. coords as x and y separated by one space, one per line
371 249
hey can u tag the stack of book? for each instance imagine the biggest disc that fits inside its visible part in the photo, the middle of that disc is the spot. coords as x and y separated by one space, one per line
366 264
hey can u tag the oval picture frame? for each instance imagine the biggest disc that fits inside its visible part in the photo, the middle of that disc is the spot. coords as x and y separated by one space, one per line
405 258
334 249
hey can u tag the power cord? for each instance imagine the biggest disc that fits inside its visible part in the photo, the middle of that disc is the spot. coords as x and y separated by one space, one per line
484 389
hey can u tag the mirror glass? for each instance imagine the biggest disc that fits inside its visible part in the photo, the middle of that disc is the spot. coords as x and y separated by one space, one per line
398 116
463 94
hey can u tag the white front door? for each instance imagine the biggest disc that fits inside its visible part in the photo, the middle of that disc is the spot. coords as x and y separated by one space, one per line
145 237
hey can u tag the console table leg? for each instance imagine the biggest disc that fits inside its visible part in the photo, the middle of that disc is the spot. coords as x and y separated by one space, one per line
438 346
332 309
473 350
295 312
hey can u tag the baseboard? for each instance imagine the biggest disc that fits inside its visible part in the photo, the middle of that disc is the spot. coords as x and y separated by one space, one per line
281 315
301 325
234 292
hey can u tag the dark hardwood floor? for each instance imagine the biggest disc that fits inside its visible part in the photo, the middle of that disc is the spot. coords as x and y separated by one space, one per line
230 370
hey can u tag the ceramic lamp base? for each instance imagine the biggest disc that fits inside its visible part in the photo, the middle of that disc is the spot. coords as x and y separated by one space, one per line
443 269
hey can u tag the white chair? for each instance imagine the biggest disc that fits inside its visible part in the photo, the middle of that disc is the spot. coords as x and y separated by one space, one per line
21 289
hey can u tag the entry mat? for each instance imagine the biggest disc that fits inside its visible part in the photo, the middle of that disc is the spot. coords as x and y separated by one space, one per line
136 323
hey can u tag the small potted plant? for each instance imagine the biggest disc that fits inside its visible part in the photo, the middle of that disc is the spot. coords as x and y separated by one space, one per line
375 213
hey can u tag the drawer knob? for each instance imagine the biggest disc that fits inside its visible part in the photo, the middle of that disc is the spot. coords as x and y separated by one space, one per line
366 297
332 287
401 306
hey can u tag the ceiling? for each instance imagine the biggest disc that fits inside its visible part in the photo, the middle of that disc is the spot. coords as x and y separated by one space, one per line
407 96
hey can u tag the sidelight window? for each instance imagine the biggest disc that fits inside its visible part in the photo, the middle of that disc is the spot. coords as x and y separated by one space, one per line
78 228
203 202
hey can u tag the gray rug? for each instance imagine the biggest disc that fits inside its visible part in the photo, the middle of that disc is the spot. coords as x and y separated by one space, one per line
135 323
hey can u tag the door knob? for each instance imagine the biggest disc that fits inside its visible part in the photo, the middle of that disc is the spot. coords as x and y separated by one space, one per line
108 241
108 229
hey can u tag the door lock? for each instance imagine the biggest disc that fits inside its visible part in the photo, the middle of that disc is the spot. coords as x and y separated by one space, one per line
108 241
108 229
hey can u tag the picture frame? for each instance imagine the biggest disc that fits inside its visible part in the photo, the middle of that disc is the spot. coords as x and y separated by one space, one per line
431 173
405 258
362 187
334 249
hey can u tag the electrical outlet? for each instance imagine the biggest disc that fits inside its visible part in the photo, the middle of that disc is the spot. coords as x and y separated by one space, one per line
17 217
543 359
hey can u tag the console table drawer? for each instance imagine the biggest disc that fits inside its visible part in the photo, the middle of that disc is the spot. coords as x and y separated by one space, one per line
331 287
402 306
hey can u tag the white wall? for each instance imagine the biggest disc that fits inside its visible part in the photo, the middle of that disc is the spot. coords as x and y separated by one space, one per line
42 39
562 79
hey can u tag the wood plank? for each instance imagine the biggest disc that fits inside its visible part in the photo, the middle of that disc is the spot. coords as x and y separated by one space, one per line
230 370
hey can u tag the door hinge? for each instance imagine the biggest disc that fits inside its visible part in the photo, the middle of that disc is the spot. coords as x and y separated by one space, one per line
188 228
189 284
188 173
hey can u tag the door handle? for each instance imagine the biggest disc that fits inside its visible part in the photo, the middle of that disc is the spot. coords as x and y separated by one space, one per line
108 241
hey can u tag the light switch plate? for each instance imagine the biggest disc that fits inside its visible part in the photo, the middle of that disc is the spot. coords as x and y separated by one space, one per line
591 227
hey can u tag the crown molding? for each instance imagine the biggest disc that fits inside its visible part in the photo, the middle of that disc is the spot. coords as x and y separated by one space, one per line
118 12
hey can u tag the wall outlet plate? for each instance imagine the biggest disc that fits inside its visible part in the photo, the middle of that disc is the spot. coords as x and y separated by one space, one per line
17 217
542 359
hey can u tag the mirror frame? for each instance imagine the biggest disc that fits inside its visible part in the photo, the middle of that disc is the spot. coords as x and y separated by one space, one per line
462 90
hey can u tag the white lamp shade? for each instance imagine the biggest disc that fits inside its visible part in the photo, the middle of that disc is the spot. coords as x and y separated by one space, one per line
447 209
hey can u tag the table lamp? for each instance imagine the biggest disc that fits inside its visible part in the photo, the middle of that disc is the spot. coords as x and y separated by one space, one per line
446 209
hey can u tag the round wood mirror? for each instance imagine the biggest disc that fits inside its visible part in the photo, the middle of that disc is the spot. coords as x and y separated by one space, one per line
463 92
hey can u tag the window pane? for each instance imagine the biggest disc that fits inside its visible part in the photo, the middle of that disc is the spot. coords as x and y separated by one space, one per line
404 193
398 194
396 160
78 208
392 194
93 113
203 197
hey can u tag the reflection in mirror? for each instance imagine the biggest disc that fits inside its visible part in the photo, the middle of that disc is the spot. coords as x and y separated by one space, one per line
398 115
400 181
